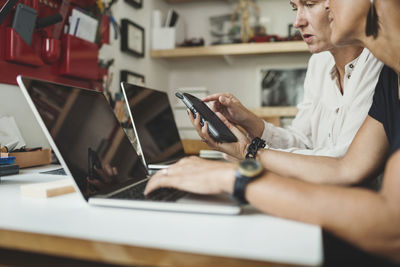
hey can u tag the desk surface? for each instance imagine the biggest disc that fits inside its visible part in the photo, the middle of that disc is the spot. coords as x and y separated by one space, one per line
68 226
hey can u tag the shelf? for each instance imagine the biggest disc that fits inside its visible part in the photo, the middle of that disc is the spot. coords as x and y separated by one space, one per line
233 49
181 1
270 112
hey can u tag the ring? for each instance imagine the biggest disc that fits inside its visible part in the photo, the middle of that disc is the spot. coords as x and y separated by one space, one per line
165 171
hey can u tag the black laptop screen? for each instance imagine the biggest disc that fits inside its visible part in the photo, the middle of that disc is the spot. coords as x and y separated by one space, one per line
88 135
155 124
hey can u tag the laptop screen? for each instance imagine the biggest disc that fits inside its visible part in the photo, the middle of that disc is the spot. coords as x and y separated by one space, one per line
155 124
89 137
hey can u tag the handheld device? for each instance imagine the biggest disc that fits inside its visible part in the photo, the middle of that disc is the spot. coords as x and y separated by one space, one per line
217 129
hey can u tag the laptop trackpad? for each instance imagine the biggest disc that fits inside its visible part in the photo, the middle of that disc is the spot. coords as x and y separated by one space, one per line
221 199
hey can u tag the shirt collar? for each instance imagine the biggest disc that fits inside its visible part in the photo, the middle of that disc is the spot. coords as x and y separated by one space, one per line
348 69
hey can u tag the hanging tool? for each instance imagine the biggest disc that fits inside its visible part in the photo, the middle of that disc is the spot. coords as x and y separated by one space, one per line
48 21
58 28
100 5
107 11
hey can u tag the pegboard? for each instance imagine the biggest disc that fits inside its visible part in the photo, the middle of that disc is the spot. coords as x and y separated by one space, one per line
61 58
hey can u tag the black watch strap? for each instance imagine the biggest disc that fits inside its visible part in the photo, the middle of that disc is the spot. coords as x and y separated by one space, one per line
254 146
239 188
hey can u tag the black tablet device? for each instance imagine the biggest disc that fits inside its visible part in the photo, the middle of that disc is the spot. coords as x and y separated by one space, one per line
217 129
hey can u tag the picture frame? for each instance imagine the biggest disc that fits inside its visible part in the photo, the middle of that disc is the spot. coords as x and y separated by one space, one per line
282 86
132 77
135 3
132 38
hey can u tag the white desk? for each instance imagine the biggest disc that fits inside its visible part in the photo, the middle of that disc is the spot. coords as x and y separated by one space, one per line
68 219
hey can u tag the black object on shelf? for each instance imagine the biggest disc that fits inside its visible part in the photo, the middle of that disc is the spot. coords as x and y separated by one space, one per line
8 169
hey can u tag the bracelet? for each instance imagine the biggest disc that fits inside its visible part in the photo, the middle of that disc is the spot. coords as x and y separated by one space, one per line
253 148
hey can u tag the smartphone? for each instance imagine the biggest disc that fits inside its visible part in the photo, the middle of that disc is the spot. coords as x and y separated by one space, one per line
217 129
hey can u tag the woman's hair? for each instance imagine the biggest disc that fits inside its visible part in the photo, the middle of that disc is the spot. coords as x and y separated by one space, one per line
372 22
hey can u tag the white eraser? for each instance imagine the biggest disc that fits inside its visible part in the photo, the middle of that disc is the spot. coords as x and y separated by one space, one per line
49 189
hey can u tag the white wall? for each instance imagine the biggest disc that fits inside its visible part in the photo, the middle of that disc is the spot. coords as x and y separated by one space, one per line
241 76
196 15
14 104
156 73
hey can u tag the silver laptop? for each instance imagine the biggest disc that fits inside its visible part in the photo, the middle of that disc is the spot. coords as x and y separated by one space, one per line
154 125
93 148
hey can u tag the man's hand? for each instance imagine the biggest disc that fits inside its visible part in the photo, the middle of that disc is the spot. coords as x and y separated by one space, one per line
195 175
231 108
237 149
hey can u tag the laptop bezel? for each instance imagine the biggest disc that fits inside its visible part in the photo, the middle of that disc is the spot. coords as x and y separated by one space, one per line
159 165
38 117
46 132
133 124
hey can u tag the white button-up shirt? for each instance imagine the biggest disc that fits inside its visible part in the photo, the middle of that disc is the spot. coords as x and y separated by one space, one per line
327 121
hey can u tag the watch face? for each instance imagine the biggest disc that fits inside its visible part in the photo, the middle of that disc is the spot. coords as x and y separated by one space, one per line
250 168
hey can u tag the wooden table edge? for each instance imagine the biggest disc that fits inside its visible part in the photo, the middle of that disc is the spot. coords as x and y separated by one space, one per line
111 253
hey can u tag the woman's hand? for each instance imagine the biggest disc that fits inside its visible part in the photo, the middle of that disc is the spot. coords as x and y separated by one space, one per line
237 149
195 175
231 108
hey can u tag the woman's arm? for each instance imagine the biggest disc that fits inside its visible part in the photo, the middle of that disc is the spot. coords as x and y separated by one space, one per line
364 157
367 219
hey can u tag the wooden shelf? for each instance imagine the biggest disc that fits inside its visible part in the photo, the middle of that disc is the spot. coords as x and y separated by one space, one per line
270 112
233 49
182 1
179 1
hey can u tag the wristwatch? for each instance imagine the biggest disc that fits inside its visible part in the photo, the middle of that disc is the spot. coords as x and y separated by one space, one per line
248 170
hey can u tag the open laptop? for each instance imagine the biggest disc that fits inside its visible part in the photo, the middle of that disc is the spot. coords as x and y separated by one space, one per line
93 148
154 125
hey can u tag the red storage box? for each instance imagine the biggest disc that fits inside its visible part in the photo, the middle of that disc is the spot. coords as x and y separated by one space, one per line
18 51
79 58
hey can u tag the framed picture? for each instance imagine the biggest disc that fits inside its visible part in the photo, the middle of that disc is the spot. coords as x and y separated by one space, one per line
132 38
135 3
282 87
132 77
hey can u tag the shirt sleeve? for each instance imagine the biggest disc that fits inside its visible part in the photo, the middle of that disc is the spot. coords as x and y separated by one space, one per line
337 151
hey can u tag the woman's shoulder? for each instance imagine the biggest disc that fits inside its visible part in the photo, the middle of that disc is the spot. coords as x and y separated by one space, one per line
322 57
321 61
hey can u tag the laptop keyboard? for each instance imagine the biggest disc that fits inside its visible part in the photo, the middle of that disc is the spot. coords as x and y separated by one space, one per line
162 194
